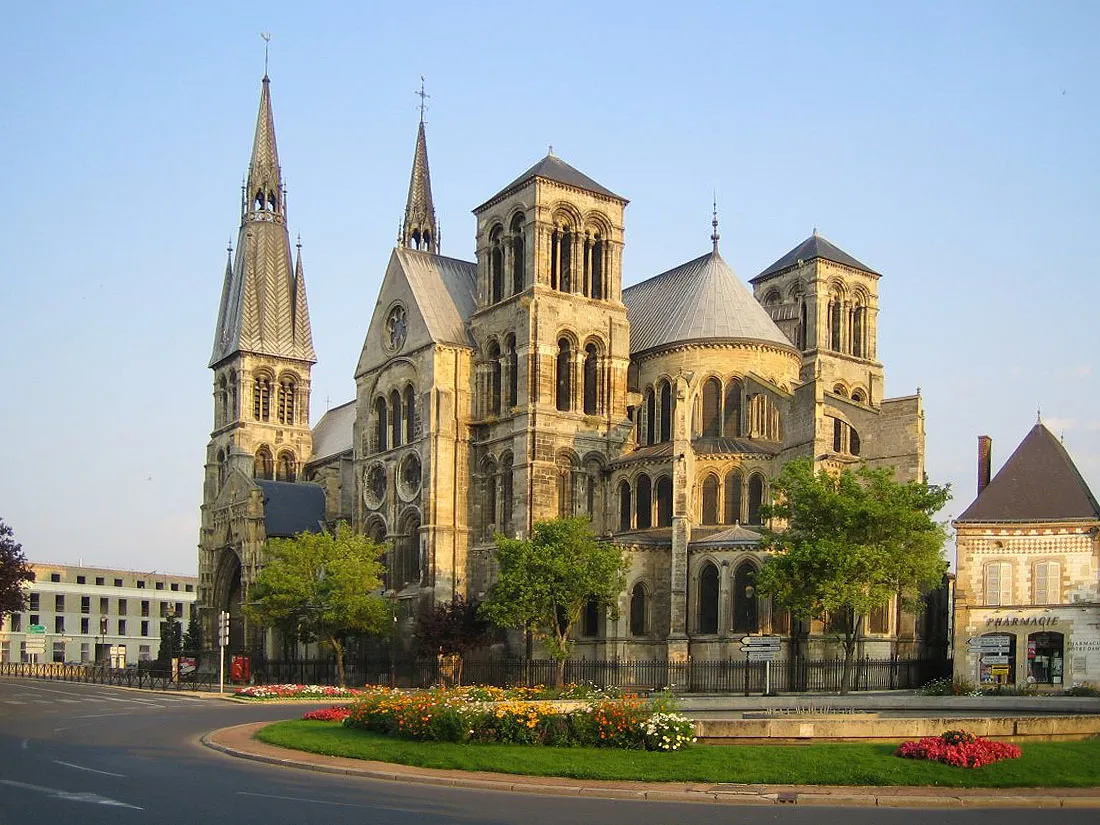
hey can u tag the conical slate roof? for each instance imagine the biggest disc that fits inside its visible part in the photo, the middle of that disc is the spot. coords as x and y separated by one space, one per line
1039 482
554 168
700 300
814 246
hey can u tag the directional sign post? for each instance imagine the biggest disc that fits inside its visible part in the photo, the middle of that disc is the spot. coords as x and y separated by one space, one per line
994 660
761 649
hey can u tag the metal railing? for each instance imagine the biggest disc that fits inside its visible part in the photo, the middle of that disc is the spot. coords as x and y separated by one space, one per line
146 678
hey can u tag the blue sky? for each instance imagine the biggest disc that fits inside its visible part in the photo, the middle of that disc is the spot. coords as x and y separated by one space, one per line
950 146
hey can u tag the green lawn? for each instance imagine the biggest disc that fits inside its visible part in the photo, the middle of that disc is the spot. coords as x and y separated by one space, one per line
1043 764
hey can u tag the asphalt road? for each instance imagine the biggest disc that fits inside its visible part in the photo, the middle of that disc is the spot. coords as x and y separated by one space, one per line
75 753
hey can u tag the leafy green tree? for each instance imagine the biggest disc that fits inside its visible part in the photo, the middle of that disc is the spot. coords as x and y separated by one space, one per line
192 638
171 641
322 586
846 543
545 582
14 571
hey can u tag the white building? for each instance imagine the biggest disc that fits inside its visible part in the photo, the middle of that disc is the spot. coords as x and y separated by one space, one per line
82 610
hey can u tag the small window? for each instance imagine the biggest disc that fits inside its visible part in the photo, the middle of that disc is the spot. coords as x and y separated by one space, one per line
145 608
145 628
16 623
55 577
84 626
118 582
122 607
85 604
160 585
34 618
175 586
121 627
59 604
189 588
141 584
103 601
59 624
99 580
34 601
81 579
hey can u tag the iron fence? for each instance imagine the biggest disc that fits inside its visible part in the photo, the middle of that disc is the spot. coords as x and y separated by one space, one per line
146 678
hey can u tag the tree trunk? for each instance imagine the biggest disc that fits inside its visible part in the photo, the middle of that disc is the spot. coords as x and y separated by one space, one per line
560 678
338 649
851 636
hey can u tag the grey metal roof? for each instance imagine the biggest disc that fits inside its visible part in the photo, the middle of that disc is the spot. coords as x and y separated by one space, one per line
724 445
333 433
1039 482
732 536
554 168
445 290
702 299
814 246
292 507
645 453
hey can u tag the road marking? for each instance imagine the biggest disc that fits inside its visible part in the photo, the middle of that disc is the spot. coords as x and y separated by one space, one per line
100 715
70 701
302 799
90 770
95 799
14 702
24 744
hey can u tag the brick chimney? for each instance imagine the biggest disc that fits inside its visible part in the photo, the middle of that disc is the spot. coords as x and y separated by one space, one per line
985 460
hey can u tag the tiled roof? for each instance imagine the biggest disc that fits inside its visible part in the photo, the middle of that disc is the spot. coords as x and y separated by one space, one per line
292 507
445 290
814 246
554 168
723 445
333 433
736 535
1039 482
700 300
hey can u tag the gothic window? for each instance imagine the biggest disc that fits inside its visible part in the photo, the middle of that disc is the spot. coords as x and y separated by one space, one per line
566 496
624 506
772 298
638 610
756 497
859 397
733 498
731 424
650 422
381 430
407 564
838 435
410 414
666 411
565 253
565 375
496 265
489 497
710 499
513 372
878 620
853 441
800 335
221 468
708 599
664 501
395 419
233 412
745 615
263 465
287 393
494 379
644 504
590 621
764 419
839 390
1047 578
598 287
555 248
519 256
593 503
712 401
834 321
286 468
591 361
859 329
506 494
998 583
221 415
261 398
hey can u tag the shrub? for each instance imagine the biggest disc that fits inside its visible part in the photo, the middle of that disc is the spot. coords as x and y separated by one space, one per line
619 723
960 748
947 687
1082 690
668 732
337 713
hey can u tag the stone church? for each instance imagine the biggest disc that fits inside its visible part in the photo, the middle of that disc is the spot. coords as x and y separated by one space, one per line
530 383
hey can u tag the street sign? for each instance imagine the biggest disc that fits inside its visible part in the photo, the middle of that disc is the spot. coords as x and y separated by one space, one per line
988 641
994 660
36 628
760 655
36 645
758 642
991 649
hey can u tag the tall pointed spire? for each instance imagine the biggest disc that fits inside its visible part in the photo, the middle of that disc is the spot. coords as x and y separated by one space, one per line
419 229
264 187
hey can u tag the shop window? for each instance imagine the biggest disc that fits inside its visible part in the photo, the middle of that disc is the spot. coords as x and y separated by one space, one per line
1045 653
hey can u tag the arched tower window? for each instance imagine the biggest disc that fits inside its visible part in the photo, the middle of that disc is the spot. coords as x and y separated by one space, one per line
513 372
638 610
566 261
566 492
261 398
496 265
590 619
222 467
708 599
666 411
650 416
594 493
745 614
263 465
395 418
410 414
519 256
644 503
288 390
286 467
507 489
624 506
232 411
710 499
407 564
591 373
489 497
859 329
222 403
853 441
756 497
597 253
565 375
712 401
733 497
731 424
859 397
664 501
494 379
381 429
834 321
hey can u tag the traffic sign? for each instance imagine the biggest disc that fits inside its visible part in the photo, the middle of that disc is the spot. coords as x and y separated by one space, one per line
36 645
990 649
36 628
774 642
760 655
994 660
989 641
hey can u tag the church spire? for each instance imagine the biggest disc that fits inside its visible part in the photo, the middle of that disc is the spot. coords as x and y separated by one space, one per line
264 187
419 229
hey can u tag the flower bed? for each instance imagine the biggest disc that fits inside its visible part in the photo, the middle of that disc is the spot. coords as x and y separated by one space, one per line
337 713
960 748
297 692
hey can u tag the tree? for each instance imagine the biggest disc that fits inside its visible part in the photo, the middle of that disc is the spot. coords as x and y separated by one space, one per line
192 638
847 543
452 629
322 586
14 571
171 640
545 582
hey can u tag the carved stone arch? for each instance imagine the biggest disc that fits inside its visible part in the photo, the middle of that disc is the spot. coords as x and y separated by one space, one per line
860 395
710 486
639 623
596 220
838 287
746 610
566 215
375 528
796 290
757 495
229 594
771 297
708 587
840 389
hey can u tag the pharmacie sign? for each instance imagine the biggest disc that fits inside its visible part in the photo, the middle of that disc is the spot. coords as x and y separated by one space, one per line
1021 621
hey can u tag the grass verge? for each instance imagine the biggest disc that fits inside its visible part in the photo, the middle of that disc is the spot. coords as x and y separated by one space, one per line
1043 764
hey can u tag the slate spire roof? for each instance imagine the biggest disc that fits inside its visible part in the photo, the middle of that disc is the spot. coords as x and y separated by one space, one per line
702 299
420 230
554 168
263 308
814 246
1039 482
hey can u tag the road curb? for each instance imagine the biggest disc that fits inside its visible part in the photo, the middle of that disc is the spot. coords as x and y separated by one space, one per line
237 741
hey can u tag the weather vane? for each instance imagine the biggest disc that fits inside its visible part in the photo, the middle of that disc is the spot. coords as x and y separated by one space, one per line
267 42
714 236
423 98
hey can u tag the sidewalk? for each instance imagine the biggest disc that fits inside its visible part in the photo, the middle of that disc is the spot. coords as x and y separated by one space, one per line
237 741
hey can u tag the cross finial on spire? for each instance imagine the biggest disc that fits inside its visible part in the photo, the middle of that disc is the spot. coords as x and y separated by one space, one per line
1039 414
299 244
267 42
815 231
714 236
550 151
423 98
